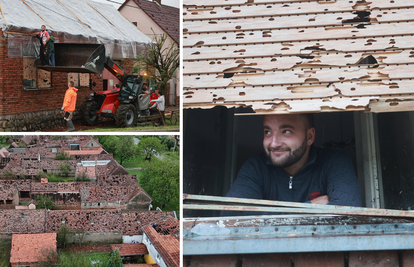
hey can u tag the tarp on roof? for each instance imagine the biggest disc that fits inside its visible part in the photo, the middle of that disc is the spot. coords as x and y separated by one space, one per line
70 21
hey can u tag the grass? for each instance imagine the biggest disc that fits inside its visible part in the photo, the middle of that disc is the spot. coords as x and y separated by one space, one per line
102 257
136 172
146 128
5 248
24 202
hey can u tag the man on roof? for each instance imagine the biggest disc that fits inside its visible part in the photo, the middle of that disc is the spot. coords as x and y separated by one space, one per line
44 37
292 169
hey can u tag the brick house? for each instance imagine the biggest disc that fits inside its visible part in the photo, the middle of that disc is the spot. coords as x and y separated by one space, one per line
32 97
28 249
120 197
163 242
150 16
9 194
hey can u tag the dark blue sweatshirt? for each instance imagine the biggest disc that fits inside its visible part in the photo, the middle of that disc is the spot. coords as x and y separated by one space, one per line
327 172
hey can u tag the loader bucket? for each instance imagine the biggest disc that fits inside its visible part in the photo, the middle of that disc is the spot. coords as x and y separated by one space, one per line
79 58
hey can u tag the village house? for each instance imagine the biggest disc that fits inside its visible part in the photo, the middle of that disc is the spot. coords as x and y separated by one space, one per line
29 249
154 17
163 243
33 96
119 197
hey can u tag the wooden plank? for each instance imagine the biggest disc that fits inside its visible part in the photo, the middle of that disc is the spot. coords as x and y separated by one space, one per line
204 201
276 63
389 90
2 15
301 76
287 8
266 93
235 2
350 46
192 3
282 22
284 35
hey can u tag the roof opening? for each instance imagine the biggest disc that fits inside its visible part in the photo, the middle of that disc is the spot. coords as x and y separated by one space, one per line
362 16
368 60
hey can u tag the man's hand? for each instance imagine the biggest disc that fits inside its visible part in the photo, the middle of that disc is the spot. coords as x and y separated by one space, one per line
320 200
63 108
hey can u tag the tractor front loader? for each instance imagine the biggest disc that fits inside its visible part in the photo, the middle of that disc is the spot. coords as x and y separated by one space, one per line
124 104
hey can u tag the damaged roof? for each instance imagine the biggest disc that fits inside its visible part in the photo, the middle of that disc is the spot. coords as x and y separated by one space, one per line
168 246
29 248
130 249
167 17
301 56
72 21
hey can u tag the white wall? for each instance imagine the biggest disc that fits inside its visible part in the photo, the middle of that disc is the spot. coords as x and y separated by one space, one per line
144 24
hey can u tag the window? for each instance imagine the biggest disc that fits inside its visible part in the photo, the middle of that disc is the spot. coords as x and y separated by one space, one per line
74 147
80 79
35 78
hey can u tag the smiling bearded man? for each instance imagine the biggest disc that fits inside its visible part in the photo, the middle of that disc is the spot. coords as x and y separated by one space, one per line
292 169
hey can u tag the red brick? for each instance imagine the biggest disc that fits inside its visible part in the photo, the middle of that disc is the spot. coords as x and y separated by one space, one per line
267 260
320 259
373 258
408 258
214 261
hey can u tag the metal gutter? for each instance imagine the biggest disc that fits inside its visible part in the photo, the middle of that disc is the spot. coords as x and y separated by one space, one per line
213 236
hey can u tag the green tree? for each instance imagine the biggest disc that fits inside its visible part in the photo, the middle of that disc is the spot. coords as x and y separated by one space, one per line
63 235
162 182
121 146
43 201
168 141
62 155
115 259
5 247
160 61
64 169
48 258
109 143
125 147
149 146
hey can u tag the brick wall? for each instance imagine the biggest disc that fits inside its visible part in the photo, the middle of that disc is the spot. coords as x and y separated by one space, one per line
14 100
127 64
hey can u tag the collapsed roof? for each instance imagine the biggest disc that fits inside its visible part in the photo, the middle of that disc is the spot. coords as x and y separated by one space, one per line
70 21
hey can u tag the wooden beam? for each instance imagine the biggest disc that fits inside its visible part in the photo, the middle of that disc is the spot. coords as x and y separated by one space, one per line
2 14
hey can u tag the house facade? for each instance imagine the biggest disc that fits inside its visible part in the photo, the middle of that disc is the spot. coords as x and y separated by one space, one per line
154 17
33 96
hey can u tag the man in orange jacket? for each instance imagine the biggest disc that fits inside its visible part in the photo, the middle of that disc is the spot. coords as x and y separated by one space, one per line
69 104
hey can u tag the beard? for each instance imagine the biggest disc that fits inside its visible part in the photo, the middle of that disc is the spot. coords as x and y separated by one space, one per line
289 159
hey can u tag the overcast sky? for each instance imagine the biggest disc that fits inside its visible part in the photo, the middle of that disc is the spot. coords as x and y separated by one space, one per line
174 3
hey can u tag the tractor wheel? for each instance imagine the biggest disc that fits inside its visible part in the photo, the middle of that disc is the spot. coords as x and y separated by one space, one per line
126 116
89 115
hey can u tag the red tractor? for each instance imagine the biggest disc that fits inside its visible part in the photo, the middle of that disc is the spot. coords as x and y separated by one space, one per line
124 104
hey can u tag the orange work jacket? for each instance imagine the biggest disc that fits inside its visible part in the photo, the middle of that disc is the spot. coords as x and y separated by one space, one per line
70 99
